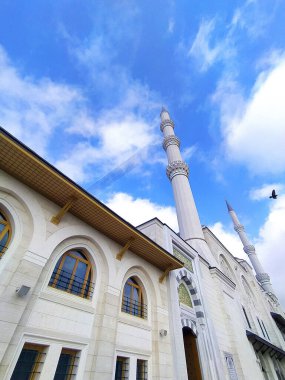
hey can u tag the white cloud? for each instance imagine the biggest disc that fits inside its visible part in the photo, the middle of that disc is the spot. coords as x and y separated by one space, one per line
205 52
139 210
219 41
229 239
253 128
119 140
265 191
188 152
127 127
253 17
37 111
33 109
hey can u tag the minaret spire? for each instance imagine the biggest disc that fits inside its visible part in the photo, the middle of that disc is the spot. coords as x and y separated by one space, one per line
178 172
261 276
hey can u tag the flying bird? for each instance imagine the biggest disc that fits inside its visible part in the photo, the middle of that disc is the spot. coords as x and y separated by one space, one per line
273 195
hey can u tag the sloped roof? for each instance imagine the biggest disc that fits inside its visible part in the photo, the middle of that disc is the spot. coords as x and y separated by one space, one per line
25 165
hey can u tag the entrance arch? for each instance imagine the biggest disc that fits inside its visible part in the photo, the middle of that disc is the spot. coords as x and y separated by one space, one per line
184 275
191 354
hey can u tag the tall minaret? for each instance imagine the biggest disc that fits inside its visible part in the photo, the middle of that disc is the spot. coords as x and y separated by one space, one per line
178 172
262 277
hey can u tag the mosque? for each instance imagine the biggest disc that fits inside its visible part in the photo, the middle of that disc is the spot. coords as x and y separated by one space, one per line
85 295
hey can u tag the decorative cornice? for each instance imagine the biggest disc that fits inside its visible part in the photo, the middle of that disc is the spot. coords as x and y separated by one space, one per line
170 140
177 167
216 271
166 123
249 249
239 228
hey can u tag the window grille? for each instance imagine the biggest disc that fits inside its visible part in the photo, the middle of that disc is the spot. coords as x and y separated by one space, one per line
122 368
141 369
30 362
67 365
73 274
132 302
134 307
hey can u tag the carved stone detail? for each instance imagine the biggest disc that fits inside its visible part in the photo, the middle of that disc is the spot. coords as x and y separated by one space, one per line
166 123
239 228
249 249
170 140
177 167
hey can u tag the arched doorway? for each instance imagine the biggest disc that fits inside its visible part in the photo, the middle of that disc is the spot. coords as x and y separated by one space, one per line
191 355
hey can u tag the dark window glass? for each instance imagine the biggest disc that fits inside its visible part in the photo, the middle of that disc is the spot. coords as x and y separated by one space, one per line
141 370
67 364
246 317
263 333
29 363
122 368
132 302
265 330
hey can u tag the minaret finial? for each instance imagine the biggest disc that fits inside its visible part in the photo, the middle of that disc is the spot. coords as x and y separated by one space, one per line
229 206
164 114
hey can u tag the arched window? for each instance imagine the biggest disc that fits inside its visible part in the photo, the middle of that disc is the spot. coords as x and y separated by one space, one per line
5 233
184 296
73 274
225 268
132 302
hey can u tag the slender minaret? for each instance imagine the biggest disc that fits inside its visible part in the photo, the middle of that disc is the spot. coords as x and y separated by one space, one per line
262 277
178 172
191 231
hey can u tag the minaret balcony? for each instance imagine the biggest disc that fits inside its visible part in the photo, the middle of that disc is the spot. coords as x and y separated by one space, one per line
177 168
166 123
239 228
170 140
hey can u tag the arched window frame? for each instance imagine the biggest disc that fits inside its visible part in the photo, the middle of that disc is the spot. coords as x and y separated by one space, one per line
131 306
226 268
88 285
6 230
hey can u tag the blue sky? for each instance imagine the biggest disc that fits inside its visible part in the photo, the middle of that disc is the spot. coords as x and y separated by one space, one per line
83 83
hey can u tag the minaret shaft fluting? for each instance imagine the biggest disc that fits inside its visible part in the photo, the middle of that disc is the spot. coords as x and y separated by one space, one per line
178 172
261 276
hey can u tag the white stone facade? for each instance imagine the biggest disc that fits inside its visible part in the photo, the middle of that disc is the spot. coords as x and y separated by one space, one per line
96 327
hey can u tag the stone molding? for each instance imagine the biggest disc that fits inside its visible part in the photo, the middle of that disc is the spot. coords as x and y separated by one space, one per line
262 277
170 140
187 322
166 123
239 228
176 168
249 249
218 273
